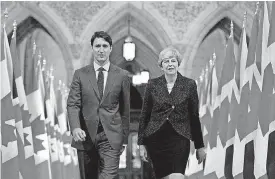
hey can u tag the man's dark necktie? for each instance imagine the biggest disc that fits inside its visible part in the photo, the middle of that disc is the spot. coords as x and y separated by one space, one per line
100 84
100 81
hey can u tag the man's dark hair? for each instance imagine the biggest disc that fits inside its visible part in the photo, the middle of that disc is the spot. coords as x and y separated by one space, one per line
101 34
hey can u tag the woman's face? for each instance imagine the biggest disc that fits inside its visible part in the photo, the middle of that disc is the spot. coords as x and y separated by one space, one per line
170 64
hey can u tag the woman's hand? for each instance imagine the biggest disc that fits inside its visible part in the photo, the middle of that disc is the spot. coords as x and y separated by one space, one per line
201 155
143 153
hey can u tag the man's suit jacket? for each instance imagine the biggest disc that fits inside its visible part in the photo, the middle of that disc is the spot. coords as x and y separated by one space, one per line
85 108
180 108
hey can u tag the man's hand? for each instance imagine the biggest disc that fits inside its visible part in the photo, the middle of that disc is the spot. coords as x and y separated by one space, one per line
200 155
79 134
143 153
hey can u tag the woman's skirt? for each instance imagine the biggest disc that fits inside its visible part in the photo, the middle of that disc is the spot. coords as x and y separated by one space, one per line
168 151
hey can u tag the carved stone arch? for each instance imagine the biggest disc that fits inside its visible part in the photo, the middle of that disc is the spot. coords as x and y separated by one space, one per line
142 26
22 11
205 22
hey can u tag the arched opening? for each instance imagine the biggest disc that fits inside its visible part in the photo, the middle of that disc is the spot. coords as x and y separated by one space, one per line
204 25
33 21
30 31
215 40
224 25
148 35
26 27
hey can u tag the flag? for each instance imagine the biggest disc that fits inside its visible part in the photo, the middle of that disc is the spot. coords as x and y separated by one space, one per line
259 47
25 148
61 127
240 133
244 108
214 126
213 148
18 111
213 88
25 164
249 158
75 162
35 101
250 74
270 167
220 163
49 121
52 101
226 88
223 120
27 133
10 167
271 38
207 122
237 85
206 126
255 140
254 77
270 161
209 85
206 84
265 28
227 73
205 114
61 110
251 130
60 148
215 85
253 40
235 149
252 116
9 148
229 162
54 153
224 167
265 102
238 157
67 139
265 115
234 113
201 93
242 57
230 140
210 163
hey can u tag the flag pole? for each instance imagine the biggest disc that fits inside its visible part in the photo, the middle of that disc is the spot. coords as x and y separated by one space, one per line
6 15
4 26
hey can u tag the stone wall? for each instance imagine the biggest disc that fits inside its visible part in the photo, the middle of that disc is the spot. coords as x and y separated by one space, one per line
157 24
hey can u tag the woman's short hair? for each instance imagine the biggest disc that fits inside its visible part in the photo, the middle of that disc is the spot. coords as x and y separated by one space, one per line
101 34
173 50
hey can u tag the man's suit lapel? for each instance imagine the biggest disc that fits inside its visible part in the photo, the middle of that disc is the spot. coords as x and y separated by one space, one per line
110 81
92 79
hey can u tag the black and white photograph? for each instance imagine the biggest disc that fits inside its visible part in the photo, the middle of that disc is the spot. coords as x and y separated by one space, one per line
137 90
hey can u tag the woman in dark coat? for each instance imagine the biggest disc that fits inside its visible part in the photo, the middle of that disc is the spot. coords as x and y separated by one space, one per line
170 119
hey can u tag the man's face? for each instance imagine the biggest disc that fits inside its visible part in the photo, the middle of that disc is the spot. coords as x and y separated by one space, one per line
101 50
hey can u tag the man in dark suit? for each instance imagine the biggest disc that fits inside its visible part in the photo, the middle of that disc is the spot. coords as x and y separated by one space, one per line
99 111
